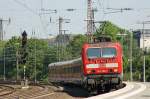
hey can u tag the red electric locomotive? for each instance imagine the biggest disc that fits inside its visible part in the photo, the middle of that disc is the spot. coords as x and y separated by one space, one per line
100 67
103 66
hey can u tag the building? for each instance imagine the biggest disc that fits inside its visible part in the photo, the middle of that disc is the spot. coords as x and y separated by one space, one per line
62 40
143 38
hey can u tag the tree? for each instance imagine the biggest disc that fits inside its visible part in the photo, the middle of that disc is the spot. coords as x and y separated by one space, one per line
76 45
2 44
10 50
107 28
39 55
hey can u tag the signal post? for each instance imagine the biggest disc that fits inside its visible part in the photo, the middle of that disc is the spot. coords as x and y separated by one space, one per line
23 58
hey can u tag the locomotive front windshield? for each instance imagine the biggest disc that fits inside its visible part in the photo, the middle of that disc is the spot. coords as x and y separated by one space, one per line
101 52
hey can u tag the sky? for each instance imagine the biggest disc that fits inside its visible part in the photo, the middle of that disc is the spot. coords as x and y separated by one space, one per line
24 15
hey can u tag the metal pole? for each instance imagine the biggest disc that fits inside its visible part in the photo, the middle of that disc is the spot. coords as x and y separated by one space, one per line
35 59
144 68
17 63
143 54
4 66
60 37
89 19
1 29
131 77
24 72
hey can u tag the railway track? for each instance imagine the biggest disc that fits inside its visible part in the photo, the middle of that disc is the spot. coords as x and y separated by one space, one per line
44 92
33 92
6 90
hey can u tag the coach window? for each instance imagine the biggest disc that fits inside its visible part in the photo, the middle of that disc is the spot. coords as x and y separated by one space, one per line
75 69
64 70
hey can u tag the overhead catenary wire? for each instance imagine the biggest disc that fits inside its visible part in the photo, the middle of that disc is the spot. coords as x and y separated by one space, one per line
32 11
103 9
26 6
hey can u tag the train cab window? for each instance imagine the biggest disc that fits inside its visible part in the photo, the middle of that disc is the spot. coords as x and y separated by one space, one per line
108 52
94 52
101 52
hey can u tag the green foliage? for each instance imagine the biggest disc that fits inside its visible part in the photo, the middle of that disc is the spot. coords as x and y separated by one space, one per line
36 55
2 44
76 45
10 50
107 28
39 55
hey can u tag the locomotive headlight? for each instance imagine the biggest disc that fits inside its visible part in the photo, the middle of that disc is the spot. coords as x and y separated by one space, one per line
115 70
92 66
112 65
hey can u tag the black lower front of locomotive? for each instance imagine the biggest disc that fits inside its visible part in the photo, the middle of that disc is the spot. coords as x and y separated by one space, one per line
102 83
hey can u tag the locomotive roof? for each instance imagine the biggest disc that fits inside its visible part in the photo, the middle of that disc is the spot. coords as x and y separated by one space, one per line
64 62
103 44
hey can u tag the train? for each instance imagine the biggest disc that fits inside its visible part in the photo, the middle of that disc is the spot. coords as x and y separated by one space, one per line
99 68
